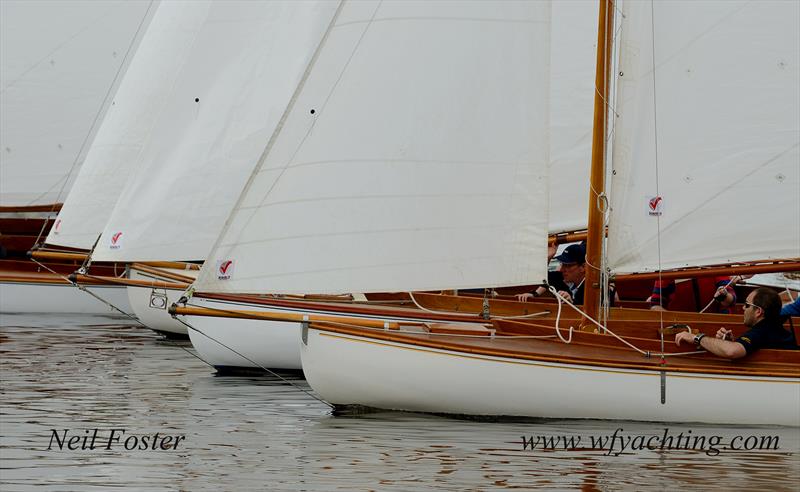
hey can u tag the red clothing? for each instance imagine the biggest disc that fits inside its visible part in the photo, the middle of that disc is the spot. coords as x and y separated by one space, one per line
701 290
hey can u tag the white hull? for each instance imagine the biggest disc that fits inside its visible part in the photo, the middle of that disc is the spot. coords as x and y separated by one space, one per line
262 344
20 297
346 369
150 305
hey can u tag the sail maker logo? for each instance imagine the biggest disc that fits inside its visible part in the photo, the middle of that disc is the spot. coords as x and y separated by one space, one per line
224 269
57 226
655 206
116 241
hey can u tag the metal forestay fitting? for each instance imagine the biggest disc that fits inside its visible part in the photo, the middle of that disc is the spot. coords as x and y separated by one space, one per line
486 309
87 262
187 296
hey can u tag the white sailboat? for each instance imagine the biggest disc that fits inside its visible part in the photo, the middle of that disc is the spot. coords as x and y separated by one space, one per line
236 65
62 64
288 194
692 135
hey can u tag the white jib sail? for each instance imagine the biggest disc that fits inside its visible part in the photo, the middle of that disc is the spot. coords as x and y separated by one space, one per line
233 87
60 61
706 162
573 54
128 125
413 157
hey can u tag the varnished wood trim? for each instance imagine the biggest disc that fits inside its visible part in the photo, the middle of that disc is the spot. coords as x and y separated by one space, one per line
95 279
53 207
769 266
275 316
144 268
600 359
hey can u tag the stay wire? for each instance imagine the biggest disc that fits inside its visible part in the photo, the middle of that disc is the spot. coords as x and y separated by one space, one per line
251 361
97 115
84 289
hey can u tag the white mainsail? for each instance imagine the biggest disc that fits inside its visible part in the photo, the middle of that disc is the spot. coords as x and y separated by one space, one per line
233 86
128 126
60 62
706 153
414 156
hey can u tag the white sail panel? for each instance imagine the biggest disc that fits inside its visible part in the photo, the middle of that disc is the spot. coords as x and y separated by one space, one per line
233 87
414 157
573 57
128 126
60 61
722 122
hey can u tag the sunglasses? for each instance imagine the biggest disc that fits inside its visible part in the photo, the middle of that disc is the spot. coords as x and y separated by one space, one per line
750 304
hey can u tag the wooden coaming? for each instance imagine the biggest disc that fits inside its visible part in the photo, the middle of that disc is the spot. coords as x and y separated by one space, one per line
772 363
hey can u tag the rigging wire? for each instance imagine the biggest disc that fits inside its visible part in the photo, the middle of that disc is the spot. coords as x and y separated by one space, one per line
655 161
84 289
97 115
273 373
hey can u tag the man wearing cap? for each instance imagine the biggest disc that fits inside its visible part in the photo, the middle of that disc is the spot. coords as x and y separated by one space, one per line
568 281
762 315
573 271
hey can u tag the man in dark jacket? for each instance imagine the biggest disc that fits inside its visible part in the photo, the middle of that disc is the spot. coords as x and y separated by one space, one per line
762 315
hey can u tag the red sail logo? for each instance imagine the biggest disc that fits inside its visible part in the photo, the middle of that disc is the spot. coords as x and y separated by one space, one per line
654 202
655 206
115 238
224 269
57 226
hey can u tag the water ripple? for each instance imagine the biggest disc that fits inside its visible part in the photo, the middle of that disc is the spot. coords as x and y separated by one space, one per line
258 432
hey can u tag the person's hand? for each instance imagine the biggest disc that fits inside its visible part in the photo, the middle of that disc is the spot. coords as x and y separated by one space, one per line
684 336
524 297
566 295
724 334
723 296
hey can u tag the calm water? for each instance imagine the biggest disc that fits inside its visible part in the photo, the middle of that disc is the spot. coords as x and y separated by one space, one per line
258 432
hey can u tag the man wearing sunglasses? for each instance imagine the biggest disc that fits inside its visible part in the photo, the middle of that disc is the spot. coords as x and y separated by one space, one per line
762 315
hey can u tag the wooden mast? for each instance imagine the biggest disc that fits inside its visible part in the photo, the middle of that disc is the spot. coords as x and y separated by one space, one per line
594 239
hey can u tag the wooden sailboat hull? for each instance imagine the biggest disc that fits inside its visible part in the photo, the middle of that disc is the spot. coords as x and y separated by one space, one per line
42 294
349 369
274 344
228 343
150 304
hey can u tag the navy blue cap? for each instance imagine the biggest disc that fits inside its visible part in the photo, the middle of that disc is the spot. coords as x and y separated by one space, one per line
574 253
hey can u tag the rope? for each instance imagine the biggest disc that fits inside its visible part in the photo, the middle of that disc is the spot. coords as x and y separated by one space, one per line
84 289
607 330
558 315
252 361
713 299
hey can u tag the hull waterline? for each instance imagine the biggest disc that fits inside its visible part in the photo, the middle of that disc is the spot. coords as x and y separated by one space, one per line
346 369
39 297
